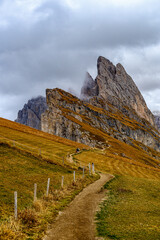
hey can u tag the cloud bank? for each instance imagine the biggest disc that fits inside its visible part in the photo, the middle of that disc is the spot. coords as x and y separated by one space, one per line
52 43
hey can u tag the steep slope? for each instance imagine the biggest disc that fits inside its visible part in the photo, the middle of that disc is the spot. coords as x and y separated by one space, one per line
36 142
30 115
112 104
29 156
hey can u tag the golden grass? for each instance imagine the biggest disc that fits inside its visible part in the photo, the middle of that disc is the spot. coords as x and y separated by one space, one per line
29 156
113 162
33 221
20 129
37 142
19 172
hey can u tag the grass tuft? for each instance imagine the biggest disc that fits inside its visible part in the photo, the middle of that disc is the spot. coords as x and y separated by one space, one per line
28 217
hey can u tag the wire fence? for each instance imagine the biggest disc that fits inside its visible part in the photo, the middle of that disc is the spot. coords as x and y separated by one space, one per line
85 169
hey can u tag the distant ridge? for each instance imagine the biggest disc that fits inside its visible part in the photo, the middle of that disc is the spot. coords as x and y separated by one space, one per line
30 115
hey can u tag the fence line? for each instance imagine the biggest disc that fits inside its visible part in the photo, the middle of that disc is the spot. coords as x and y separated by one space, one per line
47 190
48 182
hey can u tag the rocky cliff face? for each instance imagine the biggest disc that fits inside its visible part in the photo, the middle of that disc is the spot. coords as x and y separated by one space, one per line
69 117
115 86
157 118
112 106
30 115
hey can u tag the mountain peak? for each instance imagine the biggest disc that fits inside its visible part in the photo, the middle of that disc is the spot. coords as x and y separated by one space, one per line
115 86
104 65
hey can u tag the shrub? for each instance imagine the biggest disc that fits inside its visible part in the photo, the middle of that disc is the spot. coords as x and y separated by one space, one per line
28 217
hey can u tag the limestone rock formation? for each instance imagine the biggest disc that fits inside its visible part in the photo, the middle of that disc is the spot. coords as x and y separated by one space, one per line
157 118
30 115
111 105
115 86
69 117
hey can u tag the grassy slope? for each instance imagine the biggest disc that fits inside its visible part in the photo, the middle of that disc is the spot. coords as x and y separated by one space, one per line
32 140
29 156
21 156
19 172
21 165
111 161
131 210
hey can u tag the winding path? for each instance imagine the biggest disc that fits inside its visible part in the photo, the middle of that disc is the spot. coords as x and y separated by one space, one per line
76 222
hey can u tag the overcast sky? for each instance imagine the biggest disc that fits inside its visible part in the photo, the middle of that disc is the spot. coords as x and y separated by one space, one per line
52 43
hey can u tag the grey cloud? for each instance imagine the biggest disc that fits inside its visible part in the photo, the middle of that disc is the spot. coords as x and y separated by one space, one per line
60 44
97 27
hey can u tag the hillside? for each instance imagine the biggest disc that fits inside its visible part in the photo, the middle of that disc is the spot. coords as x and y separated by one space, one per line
30 156
130 209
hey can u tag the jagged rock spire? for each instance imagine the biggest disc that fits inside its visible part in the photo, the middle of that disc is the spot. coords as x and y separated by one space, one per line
114 85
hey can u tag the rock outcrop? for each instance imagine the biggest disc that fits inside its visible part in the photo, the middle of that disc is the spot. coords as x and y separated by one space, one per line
111 105
116 87
30 115
69 117
157 118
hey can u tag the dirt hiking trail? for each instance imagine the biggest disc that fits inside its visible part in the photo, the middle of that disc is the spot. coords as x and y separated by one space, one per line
76 222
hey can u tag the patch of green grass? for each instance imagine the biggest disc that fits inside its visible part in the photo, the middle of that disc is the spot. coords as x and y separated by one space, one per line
131 210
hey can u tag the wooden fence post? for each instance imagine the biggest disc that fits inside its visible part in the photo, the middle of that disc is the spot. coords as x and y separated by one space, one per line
48 183
15 205
35 192
93 168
